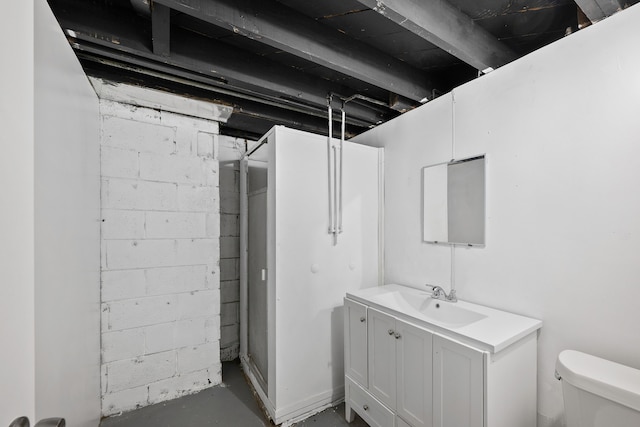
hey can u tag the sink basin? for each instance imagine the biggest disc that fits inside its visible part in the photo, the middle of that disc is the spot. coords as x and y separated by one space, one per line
474 324
421 304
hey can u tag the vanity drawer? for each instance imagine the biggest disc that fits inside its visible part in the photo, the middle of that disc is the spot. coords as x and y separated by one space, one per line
368 407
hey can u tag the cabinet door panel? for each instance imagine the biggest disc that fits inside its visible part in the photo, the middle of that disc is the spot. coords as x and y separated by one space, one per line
382 357
355 342
414 371
458 384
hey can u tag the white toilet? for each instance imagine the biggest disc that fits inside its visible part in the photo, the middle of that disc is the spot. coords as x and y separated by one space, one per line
598 392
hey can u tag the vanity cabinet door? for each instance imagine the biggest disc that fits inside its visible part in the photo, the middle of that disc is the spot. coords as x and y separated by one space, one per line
458 384
382 356
414 374
355 342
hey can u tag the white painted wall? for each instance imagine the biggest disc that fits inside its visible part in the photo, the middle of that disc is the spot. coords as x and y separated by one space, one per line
560 128
17 370
49 312
307 274
160 254
67 231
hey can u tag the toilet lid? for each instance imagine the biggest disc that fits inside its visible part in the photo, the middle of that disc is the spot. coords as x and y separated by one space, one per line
601 377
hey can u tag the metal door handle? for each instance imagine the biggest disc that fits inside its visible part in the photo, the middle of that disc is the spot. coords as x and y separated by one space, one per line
398 336
362 319
390 331
365 407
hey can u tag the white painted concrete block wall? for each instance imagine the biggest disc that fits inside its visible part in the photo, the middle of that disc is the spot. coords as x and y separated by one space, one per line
160 256
231 150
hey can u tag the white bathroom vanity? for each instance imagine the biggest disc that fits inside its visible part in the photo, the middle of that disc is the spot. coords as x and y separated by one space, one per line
411 360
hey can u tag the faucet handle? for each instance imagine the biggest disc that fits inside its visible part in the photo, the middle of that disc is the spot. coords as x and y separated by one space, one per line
438 292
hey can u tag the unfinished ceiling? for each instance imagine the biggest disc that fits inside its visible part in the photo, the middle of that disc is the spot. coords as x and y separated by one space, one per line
278 61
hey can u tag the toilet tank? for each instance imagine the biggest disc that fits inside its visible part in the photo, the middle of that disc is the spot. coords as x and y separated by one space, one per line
598 392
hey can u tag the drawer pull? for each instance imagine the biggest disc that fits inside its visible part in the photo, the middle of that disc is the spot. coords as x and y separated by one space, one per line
362 319
365 407
390 331
398 336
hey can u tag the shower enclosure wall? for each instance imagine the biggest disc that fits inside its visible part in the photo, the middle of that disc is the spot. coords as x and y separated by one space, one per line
294 273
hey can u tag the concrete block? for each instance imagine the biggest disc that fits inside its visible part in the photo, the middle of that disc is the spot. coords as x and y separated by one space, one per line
197 251
229 269
216 146
104 317
199 357
169 118
229 313
230 291
138 195
122 224
212 329
174 335
118 162
213 225
205 144
229 353
124 254
229 202
127 111
124 400
229 247
229 335
211 171
103 379
181 385
139 312
172 168
103 254
193 198
229 176
186 139
229 225
230 149
213 276
175 224
138 136
198 304
172 280
121 345
122 284
130 373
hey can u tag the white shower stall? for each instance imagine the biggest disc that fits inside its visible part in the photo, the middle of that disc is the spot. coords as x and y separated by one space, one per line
310 231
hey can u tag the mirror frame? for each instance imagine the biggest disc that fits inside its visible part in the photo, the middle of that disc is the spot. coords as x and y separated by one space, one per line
484 207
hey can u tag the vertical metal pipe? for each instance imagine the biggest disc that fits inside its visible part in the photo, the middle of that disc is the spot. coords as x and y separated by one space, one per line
335 194
340 184
329 163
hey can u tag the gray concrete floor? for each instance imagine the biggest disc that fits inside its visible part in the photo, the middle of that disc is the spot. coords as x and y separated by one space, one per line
231 404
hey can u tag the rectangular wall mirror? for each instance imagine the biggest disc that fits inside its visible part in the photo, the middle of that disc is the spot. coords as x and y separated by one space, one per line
453 201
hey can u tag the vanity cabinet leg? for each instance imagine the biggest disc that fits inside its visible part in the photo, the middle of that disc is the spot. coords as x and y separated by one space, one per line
349 415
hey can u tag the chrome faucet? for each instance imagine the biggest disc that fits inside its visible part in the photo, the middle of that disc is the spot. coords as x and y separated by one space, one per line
439 293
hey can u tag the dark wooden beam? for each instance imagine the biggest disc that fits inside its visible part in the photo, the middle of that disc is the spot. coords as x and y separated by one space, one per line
270 22
446 27
212 62
597 10
161 29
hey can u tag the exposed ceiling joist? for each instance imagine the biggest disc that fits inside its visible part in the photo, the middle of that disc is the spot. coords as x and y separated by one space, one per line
160 29
272 23
597 10
446 27
218 64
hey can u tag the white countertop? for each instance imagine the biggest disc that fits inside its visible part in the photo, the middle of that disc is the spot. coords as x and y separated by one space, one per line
495 331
